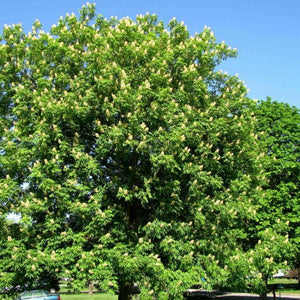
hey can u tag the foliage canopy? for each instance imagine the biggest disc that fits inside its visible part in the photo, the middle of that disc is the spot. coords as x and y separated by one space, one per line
127 157
279 129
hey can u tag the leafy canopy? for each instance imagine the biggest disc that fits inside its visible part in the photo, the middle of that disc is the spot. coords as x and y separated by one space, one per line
127 157
279 129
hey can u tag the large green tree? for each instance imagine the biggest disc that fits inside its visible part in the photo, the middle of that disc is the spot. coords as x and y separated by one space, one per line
127 157
278 127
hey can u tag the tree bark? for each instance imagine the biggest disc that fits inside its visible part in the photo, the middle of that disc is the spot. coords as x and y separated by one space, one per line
91 286
263 296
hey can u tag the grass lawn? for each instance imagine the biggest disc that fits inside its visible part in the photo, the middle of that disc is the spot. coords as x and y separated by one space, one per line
87 296
98 296
292 289
283 281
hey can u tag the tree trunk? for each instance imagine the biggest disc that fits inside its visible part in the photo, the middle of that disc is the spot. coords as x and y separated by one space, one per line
125 291
91 286
263 296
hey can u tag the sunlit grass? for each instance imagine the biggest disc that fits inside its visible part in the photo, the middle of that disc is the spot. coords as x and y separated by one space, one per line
286 289
77 297
283 281
87 296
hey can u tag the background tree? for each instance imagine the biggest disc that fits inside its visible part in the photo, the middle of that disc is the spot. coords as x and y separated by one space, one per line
127 157
279 129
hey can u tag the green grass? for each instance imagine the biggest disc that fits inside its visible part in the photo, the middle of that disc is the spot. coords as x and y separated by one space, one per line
89 297
67 294
98 296
292 289
283 281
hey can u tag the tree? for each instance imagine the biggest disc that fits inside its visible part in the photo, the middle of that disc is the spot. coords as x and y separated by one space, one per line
279 129
126 155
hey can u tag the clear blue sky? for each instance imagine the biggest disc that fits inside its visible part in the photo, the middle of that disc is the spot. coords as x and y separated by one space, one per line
265 32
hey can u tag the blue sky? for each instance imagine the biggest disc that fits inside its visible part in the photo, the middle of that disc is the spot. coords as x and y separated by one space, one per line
265 32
